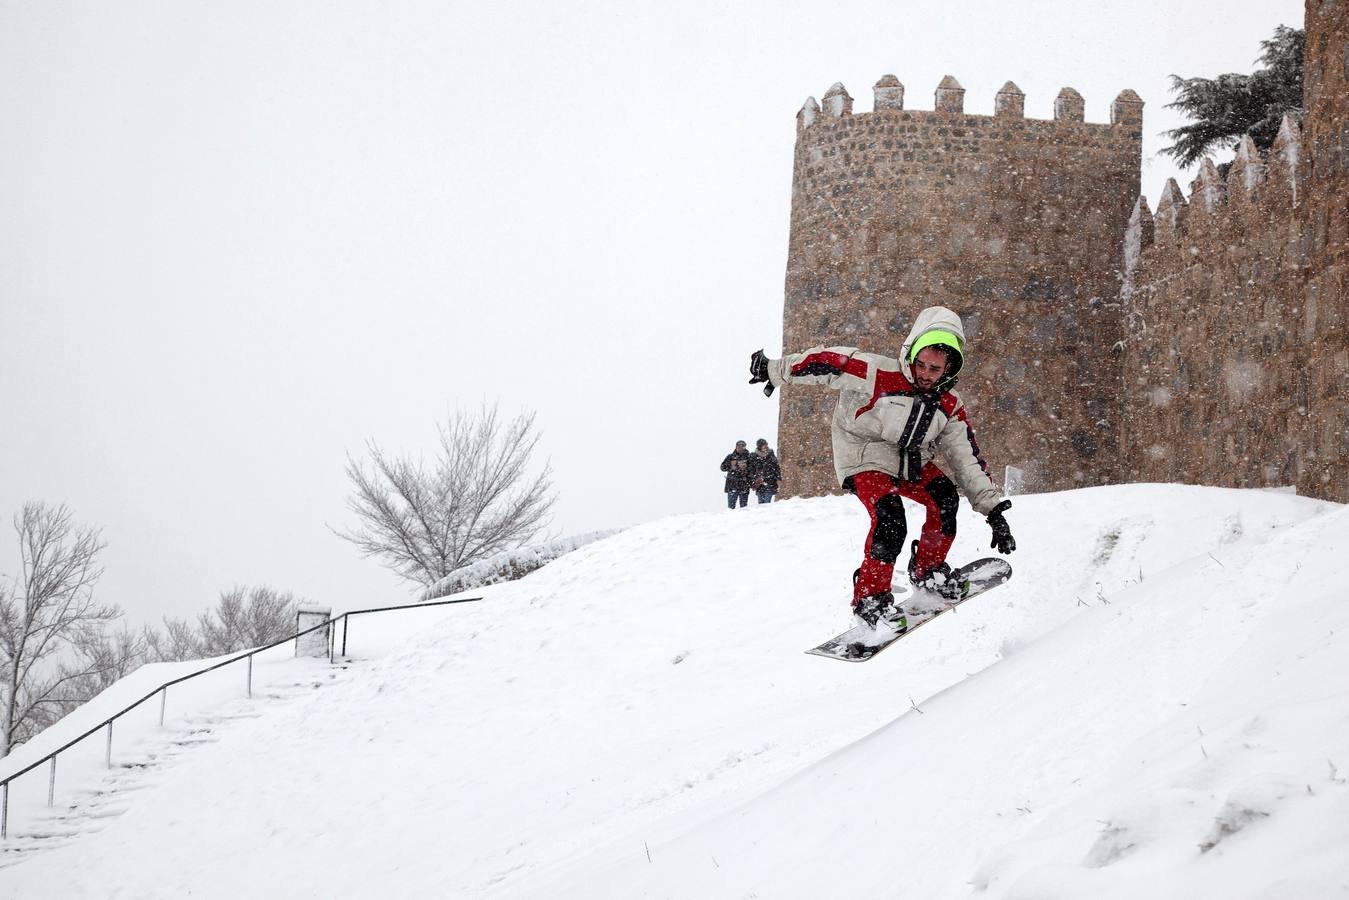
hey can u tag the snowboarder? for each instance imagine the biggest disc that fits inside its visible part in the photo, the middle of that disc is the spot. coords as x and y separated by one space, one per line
899 430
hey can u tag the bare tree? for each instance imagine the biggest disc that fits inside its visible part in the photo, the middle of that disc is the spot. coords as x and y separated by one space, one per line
47 607
242 619
477 499
113 656
177 641
100 659
1229 106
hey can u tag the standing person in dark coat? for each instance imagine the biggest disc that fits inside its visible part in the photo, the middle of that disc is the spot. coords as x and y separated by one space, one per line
736 467
764 471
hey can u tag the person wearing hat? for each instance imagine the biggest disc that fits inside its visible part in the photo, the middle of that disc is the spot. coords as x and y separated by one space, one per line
900 430
736 467
764 471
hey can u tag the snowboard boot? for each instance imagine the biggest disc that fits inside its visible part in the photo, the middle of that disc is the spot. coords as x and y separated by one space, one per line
881 610
939 581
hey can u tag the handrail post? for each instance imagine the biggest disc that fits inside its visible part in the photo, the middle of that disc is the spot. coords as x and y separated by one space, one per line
250 676
51 784
108 755
4 813
346 623
163 699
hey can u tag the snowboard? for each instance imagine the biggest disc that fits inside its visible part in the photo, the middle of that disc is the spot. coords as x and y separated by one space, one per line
861 642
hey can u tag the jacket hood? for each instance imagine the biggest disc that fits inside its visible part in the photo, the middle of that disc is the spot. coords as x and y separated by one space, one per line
936 318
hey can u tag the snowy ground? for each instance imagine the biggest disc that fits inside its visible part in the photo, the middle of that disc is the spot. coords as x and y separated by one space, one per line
1156 705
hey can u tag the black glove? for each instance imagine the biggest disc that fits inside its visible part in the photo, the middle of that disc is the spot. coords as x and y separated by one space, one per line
758 371
1003 541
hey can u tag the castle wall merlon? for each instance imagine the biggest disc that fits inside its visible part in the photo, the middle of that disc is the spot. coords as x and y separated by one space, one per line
1286 152
889 93
1170 212
837 101
1069 106
1207 189
809 112
1127 109
1139 235
1010 102
1247 172
950 96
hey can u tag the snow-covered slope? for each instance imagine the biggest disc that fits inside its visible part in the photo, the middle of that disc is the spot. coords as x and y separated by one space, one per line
1165 672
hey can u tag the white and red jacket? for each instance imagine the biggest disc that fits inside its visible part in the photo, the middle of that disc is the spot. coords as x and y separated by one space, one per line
884 423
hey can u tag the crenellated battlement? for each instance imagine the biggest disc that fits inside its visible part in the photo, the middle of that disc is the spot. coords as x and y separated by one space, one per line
1257 188
1230 345
949 98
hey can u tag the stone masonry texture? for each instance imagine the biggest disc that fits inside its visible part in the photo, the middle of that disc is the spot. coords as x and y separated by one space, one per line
1237 353
1204 343
1326 310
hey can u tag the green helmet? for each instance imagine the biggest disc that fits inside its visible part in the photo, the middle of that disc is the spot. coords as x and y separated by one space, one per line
935 336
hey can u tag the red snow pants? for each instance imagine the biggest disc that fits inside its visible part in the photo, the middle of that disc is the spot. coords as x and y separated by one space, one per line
881 494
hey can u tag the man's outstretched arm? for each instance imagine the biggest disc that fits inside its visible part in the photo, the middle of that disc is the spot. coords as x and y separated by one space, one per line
841 368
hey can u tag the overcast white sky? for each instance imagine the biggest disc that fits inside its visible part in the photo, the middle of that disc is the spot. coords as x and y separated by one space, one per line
237 239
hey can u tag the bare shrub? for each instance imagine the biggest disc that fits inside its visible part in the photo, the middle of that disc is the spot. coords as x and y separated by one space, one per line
243 618
477 499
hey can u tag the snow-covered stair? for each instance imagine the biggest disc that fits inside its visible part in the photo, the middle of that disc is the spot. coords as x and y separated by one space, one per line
91 805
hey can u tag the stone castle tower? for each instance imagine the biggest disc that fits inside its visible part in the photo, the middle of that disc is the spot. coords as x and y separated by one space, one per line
1017 224
1206 343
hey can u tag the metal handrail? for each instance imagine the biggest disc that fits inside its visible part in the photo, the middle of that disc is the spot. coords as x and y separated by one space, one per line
378 609
163 691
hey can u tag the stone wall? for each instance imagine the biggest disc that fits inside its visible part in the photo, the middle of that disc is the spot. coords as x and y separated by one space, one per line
1326 139
1016 224
1213 298
1236 358
1326 102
